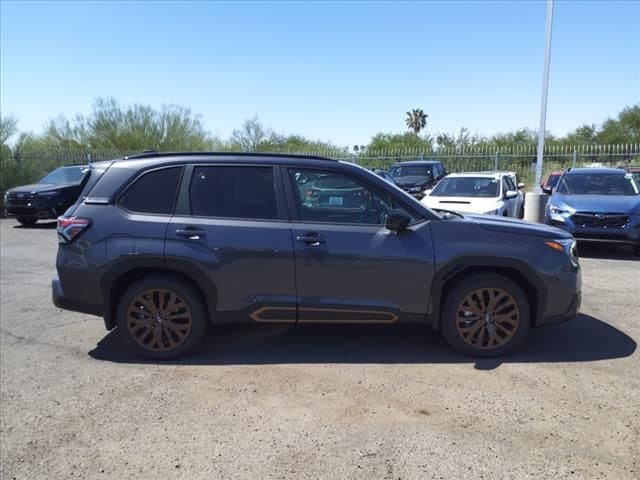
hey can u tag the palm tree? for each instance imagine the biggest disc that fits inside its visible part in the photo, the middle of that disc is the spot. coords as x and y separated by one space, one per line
416 120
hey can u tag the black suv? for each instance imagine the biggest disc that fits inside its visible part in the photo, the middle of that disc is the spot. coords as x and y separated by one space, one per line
417 176
163 244
49 198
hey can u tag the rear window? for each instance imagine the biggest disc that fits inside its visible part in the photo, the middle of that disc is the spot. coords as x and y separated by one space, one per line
154 192
233 192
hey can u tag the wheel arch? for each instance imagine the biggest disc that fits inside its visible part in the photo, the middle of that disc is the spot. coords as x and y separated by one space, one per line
517 271
119 282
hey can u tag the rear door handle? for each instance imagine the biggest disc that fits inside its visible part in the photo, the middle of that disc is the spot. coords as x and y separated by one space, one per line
311 239
191 233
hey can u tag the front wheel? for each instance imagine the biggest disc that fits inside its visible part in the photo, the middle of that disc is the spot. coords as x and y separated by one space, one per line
161 317
485 315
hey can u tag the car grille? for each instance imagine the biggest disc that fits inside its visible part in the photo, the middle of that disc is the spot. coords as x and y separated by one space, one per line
604 220
21 199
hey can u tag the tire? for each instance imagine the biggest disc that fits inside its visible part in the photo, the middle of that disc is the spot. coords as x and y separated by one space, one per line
161 338
27 220
488 336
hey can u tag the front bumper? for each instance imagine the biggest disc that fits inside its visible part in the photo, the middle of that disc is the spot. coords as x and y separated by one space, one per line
571 312
629 234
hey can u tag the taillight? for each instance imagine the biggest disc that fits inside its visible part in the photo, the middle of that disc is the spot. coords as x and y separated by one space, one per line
70 227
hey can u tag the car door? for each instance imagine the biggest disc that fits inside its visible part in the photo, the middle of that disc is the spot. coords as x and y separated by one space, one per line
509 203
349 268
231 230
516 202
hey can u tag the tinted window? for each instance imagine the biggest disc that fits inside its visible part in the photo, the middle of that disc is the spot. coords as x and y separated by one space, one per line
335 197
485 187
153 192
233 192
417 172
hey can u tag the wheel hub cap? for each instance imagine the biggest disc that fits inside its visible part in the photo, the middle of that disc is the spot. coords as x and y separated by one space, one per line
487 318
159 320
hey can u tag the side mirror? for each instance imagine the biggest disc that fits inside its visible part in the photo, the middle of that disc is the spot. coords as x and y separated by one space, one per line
521 186
510 194
547 190
396 221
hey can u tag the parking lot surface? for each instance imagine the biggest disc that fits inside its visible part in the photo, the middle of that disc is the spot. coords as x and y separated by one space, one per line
321 402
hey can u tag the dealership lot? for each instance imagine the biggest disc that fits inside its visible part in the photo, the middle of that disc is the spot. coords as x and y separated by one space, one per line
315 402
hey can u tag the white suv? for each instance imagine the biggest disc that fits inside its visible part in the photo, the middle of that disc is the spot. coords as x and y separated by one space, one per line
491 193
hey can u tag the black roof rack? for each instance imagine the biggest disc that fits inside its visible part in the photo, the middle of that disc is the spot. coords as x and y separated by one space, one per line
154 154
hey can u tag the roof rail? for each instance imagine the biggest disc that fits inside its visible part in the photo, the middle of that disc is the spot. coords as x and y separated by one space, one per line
154 154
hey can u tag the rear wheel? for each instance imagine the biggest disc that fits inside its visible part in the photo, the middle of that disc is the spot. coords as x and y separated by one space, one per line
161 318
27 220
485 315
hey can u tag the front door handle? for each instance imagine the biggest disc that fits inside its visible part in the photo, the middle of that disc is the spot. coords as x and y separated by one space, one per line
191 233
311 239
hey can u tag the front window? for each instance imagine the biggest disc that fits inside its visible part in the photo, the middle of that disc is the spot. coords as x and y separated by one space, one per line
598 184
334 197
66 176
414 173
483 187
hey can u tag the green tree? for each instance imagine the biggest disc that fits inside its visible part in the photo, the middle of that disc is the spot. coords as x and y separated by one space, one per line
131 128
249 136
624 129
416 120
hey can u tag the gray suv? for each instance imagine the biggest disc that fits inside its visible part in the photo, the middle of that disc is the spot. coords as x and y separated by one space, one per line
161 245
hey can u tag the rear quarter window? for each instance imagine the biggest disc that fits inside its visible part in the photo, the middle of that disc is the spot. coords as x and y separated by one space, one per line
153 192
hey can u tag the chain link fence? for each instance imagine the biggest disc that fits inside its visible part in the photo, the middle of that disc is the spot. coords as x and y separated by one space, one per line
20 168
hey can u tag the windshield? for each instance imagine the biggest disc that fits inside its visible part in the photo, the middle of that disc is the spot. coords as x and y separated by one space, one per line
598 184
422 171
65 176
483 187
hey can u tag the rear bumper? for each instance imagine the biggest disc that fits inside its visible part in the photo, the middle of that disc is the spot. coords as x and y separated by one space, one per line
66 303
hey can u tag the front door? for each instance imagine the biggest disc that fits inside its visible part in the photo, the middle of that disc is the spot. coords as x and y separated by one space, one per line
349 267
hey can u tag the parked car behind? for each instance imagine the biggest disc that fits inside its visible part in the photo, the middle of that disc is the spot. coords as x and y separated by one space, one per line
635 171
551 181
597 205
49 198
491 193
161 245
417 176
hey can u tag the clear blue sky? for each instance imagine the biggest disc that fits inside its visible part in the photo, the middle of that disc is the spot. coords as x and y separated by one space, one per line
333 71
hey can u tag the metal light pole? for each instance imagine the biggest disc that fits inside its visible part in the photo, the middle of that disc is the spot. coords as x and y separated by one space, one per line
545 94
536 201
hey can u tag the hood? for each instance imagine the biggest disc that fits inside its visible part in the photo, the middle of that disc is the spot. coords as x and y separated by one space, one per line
598 203
518 227
38 188
411 181
463 204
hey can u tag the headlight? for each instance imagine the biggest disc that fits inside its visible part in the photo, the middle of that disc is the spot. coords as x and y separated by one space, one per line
562 211
414 189
492 212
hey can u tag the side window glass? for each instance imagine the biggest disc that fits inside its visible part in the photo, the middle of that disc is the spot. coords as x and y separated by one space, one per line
510 184
153 192
233 192
334 197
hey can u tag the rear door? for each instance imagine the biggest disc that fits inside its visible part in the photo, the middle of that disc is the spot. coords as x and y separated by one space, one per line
349 267
231 229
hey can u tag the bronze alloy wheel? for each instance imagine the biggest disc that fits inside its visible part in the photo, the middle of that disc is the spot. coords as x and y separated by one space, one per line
159 320
487 318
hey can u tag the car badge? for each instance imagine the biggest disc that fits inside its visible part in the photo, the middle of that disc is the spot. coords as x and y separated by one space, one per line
600 216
